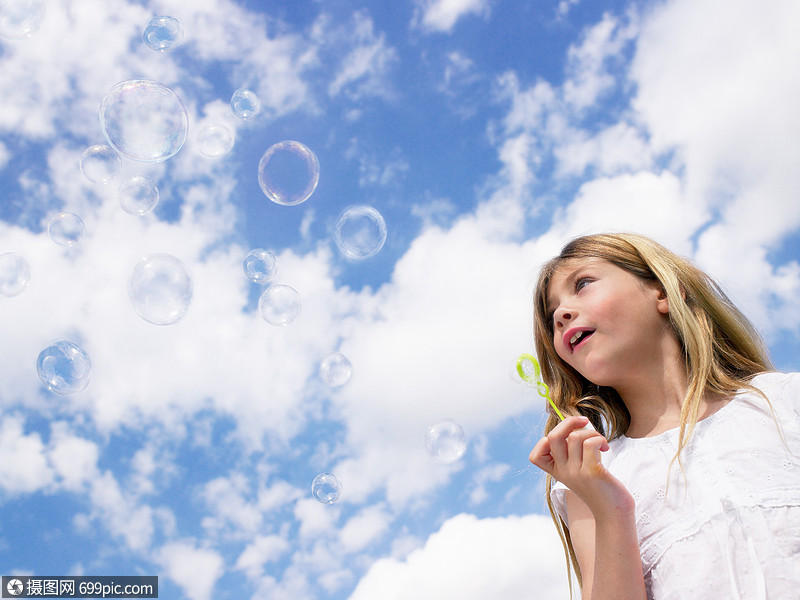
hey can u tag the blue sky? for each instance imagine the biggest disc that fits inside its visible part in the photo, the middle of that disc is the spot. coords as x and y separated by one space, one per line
487 133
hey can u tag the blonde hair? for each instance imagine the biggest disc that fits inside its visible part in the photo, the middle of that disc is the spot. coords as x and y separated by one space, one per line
721 349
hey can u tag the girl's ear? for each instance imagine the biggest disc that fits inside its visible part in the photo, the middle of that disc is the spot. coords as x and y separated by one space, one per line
663 301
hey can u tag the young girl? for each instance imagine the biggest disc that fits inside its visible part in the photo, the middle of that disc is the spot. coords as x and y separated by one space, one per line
697 491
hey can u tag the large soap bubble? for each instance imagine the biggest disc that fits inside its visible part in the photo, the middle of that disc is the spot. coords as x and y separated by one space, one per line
144 120
279 304
64 367
66 229
288 173
445 441
245 104
160 289
138 195
20 18
326 488
163 33
260 265
335 369
15 273
214 140
360 232
100 163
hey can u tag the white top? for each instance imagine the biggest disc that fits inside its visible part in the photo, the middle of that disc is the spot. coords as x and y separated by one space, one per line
732 532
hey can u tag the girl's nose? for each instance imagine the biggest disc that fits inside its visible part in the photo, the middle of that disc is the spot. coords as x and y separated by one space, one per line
562 316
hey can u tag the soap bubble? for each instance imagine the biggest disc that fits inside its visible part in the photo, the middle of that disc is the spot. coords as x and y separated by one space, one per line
360 232
15 273
279 304
326 488
20 18
335 369
99 163
138 195
144 120
445 441
64 367
245 104
260 265
160 289
214 140
65 229
162 33
288 173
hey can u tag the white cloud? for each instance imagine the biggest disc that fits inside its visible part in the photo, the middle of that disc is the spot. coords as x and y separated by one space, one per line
194 568
232 516
24 467
442 15
475 559
74 459
5 156
364 528
262 550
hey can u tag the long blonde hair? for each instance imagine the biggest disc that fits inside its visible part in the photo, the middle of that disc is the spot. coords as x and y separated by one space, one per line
721 349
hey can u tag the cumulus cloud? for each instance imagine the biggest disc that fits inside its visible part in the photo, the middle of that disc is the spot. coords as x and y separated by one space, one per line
442 15
473 558
195 569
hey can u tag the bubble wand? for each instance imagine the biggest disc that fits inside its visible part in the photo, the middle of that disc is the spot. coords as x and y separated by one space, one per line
541 386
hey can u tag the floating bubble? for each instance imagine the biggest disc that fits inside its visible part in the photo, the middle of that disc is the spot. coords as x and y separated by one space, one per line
20 18
160 289
288 173
214 140
65 229
326 488
360 232
260 265
144 120
138 195
99 163
64 367
15 273
279 304
245 104
162 33
445 441
335 369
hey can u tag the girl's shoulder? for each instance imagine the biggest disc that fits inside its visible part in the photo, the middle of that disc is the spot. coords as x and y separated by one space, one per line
781 389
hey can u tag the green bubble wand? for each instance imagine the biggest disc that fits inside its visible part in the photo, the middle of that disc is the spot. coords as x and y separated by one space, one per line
541 386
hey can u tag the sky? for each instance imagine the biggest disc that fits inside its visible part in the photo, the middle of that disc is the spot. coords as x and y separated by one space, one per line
487 133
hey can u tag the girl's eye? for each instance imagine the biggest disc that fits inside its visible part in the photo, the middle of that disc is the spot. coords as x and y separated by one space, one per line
581 283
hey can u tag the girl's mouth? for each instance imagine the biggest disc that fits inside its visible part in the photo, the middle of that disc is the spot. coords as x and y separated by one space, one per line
578 337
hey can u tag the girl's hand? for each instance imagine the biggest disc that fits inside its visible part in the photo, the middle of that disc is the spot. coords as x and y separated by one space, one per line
571 454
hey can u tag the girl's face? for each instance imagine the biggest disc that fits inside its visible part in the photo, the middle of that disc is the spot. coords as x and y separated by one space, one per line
608 324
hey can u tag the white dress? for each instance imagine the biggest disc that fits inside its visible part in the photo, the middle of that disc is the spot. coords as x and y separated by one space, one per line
731 529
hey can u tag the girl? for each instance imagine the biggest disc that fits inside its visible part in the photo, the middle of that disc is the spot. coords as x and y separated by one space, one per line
697 493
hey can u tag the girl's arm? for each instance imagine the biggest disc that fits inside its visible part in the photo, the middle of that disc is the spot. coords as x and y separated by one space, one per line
600 511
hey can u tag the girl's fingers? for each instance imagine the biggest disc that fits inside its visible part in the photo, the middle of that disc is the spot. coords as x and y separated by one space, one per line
558 436
540 455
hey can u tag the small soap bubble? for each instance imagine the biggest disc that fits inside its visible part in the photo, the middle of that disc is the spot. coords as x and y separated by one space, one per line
162 33
65 229
160 289
288 173
20 18
138 195
144 120
445 441
326 488
360 232
15 273
335 369
279 304
100 164
214 140
64 367
245 104
260 265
